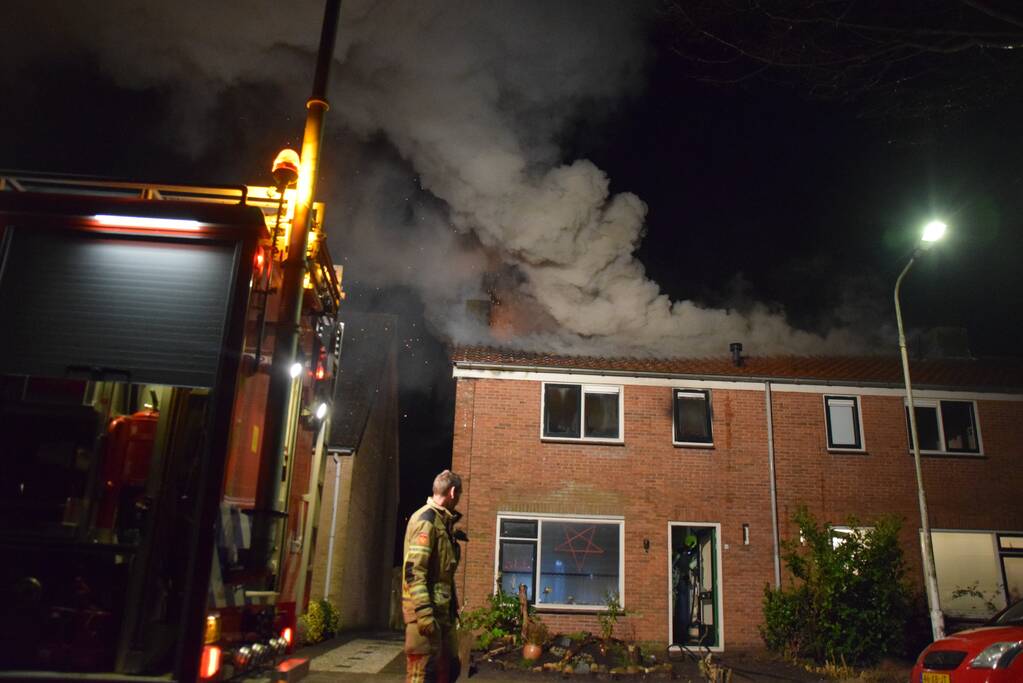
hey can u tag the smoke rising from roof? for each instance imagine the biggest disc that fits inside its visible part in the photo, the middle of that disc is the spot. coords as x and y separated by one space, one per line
449 167
473 97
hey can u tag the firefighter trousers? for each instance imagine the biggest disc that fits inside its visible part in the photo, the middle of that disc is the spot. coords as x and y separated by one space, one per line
430 659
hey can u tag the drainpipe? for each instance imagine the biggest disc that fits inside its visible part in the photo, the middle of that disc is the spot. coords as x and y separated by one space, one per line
333 526
265 513
774 489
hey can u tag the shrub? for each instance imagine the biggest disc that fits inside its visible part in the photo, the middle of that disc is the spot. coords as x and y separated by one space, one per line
500 617
321 621
849 602
608 618
311 623
331 619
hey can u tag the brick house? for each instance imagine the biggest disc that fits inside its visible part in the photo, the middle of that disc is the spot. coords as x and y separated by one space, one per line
669 482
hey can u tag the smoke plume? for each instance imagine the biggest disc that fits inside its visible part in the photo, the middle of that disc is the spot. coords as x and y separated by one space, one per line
448 174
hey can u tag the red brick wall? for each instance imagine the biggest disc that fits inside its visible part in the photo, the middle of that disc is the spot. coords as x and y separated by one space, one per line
963 492
650 482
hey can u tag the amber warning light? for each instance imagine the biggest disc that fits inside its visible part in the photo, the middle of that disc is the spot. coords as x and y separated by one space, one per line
147 222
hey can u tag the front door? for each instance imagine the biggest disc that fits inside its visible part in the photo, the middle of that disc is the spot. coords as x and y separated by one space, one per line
695 586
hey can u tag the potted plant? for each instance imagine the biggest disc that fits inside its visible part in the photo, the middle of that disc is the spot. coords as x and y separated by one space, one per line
536 635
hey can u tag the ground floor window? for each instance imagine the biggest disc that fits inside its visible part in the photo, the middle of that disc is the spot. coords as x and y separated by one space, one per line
562 561
978 572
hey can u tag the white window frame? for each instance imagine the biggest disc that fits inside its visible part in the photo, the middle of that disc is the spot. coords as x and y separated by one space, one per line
540 519
858 404
710 417
839 532
583 390
935 404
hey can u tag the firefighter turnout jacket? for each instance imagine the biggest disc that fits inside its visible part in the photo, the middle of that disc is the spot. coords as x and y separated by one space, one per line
428 570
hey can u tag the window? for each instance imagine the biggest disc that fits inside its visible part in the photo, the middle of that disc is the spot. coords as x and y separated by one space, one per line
839 534
1011 549
563 562
945 426
843 417
970 580
856 553
692 417
582 411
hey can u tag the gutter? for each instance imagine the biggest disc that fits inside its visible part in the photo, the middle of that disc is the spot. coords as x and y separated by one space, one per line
763 379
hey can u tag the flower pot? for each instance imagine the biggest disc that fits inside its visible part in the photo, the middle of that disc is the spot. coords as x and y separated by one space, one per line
532 651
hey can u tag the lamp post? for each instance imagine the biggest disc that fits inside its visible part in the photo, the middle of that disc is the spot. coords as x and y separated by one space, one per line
933 231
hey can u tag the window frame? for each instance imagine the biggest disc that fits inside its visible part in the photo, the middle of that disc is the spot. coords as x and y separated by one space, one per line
838 532
539 519
935 405
583 389
675 391
858 416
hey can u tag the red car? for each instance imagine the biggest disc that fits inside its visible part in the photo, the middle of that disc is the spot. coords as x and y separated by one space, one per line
992 653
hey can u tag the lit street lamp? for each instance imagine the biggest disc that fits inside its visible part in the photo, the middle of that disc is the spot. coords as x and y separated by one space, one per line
933 231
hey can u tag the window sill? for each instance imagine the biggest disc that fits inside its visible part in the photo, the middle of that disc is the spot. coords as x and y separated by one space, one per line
693 444
600 442
571 609
950 454
848 451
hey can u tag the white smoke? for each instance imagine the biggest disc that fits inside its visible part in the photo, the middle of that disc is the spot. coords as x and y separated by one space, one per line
472 96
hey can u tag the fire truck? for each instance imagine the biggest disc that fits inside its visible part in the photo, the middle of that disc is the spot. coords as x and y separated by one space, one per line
145 530
167 357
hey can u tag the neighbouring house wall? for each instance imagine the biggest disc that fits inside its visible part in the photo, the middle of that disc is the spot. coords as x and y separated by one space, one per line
498 449
319 563
963 491
360 583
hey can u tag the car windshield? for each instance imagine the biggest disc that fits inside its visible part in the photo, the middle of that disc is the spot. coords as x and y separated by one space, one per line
1013 615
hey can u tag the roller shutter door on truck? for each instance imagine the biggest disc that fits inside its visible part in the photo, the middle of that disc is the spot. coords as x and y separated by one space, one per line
144 310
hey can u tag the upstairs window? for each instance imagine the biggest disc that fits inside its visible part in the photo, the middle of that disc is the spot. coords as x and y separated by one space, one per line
945 426
692 417
582 411
843 418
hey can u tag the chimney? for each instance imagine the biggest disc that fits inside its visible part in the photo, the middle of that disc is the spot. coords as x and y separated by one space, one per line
736 349
479 311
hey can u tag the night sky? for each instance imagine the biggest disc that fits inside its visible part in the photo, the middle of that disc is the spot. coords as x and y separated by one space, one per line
757 194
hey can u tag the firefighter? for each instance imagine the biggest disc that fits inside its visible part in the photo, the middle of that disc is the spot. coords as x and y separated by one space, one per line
428 602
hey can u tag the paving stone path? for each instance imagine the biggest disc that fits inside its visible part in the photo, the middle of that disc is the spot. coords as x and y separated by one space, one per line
362 655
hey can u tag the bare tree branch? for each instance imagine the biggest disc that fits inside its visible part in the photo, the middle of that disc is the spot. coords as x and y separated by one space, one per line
929 56
993 12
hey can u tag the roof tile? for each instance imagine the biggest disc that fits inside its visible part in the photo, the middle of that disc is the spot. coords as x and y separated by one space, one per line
974 373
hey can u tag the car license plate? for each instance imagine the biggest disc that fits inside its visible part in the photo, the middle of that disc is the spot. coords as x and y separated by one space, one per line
931 677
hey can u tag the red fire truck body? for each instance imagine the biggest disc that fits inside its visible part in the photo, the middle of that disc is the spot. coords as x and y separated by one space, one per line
138 323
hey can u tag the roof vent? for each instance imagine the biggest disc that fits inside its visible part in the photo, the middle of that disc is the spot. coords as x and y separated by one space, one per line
736 349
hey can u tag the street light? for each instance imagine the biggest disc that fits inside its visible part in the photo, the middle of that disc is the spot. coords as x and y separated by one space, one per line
933 231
